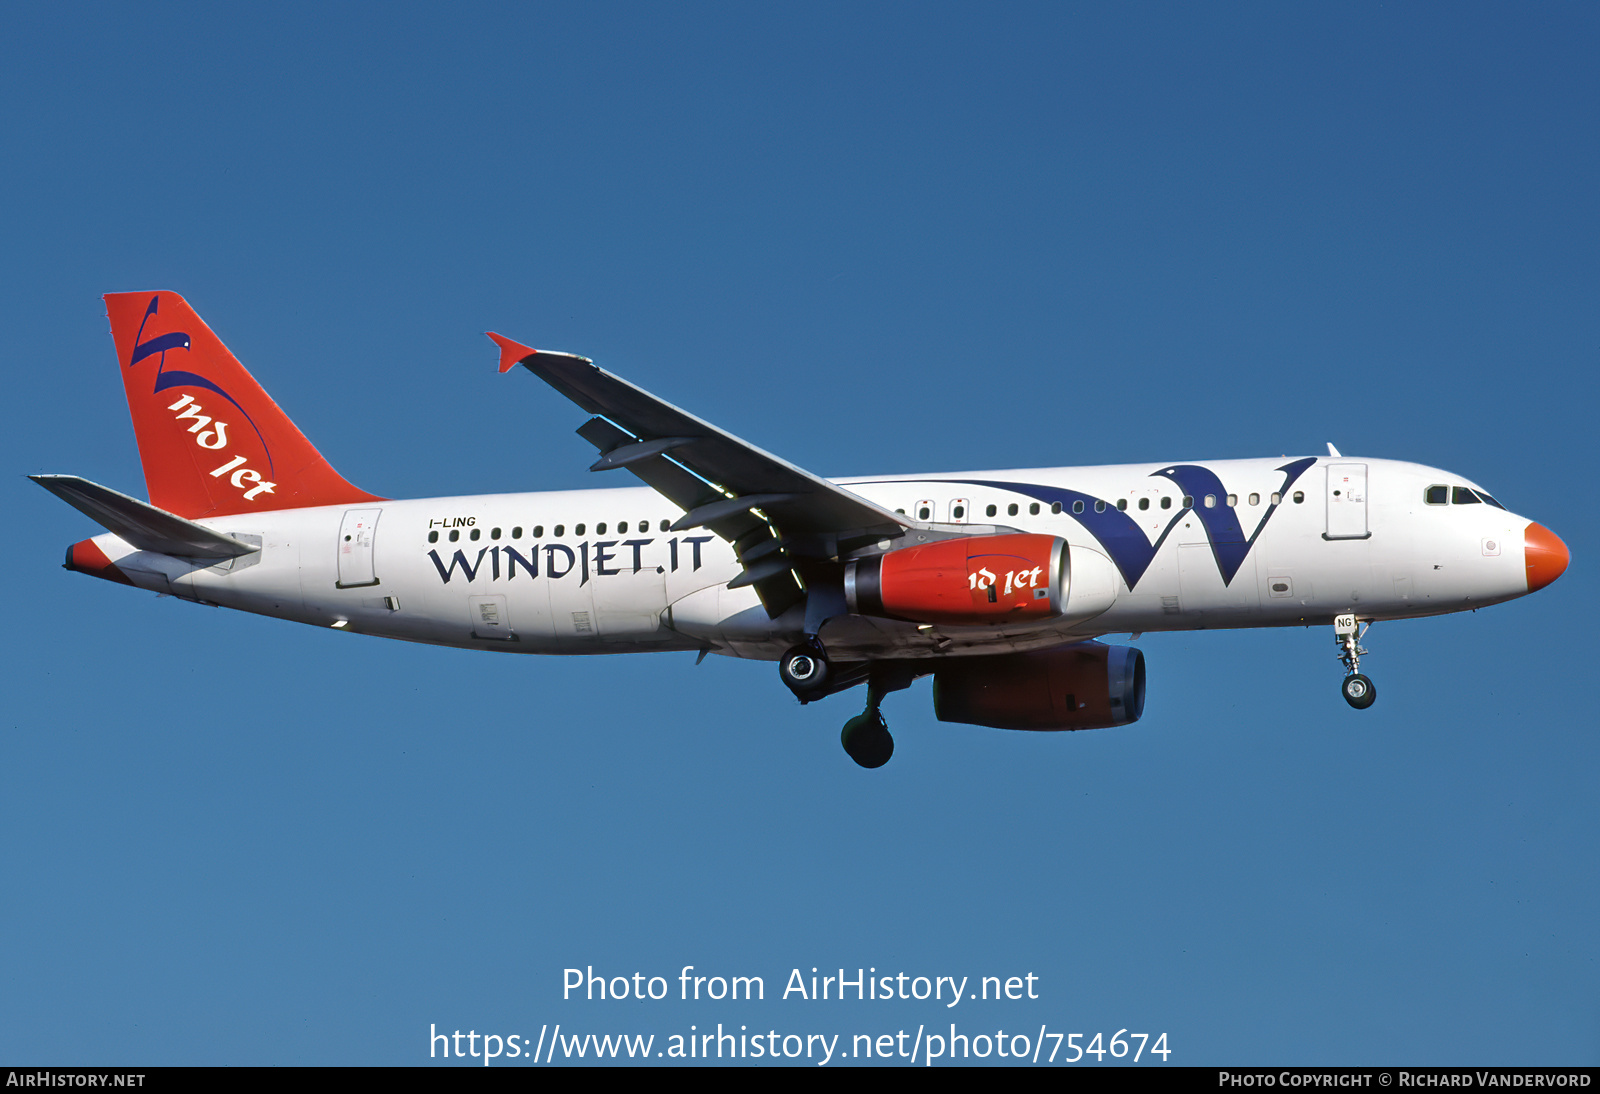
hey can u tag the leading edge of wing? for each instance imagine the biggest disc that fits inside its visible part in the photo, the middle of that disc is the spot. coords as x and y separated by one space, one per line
796 500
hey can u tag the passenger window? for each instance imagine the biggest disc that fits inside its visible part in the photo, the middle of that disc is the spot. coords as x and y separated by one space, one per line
538 531
494 534
1055 507
561 530
599 529
1099 506
1277 498
516 533
455 534
1460 495
902 512
622 527
1034 509
1188 501
1166 503
924 513
1233 501
1436 495
1122 505
1144 503
433 537
476 532
1211 501
1255 499
577 529
959 512
665 525
1299 496
1011 510
1077 507
991 511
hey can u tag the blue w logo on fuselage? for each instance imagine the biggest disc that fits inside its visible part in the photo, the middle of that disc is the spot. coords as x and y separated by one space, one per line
1130 549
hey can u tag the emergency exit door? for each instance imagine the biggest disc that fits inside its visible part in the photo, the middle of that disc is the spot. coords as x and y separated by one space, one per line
356 535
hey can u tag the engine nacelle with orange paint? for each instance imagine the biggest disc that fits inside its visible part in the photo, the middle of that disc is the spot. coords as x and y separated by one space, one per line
1085 686
967 581
978 580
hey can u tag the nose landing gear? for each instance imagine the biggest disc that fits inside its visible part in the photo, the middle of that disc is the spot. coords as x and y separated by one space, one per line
1358 691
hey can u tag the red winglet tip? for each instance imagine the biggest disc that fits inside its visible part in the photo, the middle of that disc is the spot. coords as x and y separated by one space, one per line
510 352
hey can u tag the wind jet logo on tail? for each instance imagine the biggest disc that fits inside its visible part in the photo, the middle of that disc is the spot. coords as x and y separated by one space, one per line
209 432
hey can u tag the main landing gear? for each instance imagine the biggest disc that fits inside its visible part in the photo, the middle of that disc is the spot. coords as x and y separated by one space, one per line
866 736
1358 691
808 673
805 670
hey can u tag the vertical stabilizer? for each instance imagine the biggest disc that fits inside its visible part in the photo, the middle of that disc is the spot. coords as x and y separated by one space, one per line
211 440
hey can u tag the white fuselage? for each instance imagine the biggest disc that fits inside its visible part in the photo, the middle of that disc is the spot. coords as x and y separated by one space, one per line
1263 543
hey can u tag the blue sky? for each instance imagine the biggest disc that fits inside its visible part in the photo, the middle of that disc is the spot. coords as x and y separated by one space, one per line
877 239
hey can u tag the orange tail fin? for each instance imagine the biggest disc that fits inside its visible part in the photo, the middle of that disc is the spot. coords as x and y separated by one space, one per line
211 440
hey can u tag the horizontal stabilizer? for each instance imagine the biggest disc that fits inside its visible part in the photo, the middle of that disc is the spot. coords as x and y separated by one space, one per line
142 525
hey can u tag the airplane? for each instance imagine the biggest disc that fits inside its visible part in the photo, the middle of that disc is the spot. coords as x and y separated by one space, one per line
998 584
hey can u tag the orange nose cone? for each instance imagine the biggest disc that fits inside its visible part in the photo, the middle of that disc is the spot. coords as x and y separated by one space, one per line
1546 556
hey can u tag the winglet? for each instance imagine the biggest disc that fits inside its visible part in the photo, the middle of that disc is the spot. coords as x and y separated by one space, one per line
511 352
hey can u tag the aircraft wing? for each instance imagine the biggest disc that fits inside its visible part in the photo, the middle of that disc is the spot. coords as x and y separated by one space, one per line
773 512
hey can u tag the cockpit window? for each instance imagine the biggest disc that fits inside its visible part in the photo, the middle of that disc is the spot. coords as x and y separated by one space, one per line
1460 495
1488 499
1436 495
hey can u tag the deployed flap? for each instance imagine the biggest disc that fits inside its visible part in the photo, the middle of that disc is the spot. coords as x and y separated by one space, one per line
748 533
793 499
144 526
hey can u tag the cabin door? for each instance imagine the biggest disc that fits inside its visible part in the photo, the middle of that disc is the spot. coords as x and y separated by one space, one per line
1347 501
356 534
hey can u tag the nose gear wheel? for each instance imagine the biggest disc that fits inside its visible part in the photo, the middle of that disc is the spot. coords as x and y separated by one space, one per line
1357 689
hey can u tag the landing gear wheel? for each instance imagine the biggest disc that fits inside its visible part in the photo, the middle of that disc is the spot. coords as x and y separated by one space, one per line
1347 634
805 671
866 739
1358 691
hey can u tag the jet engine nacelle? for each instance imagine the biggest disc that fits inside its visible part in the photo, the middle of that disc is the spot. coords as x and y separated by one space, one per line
977 580
1086 686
